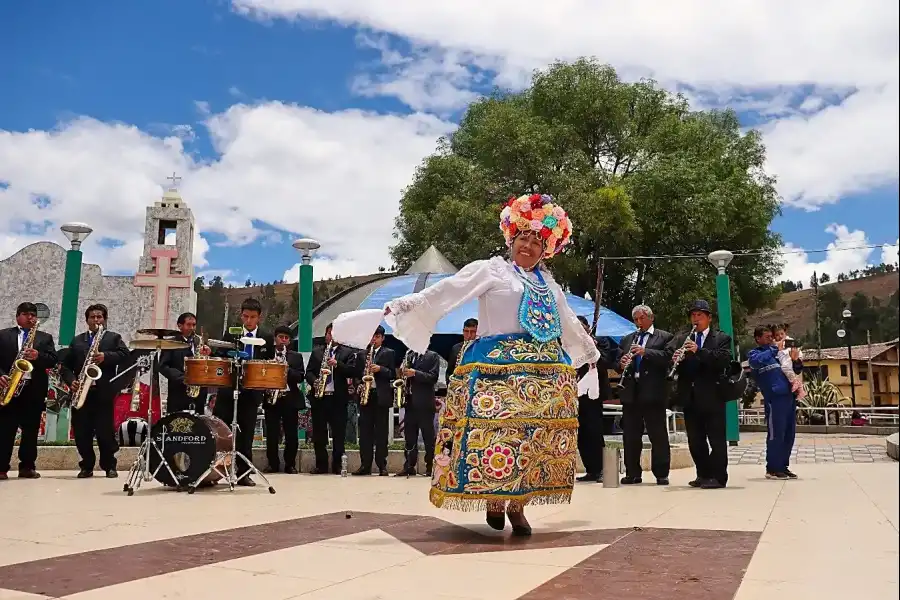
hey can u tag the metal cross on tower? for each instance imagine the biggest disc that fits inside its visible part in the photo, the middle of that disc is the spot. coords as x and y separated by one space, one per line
174 179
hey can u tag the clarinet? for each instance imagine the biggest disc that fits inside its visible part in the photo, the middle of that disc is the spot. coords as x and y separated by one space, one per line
679 354
629 360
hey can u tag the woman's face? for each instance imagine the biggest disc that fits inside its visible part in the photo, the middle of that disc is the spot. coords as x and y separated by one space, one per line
527 249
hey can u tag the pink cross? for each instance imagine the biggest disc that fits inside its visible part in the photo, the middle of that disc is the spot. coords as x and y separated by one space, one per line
162 281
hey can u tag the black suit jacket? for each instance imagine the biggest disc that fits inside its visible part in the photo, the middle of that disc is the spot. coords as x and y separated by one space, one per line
47 359
346 368
384 391
699 374
607 361
451 362
420 387
294 397
266 352
171 366
653 370
114 352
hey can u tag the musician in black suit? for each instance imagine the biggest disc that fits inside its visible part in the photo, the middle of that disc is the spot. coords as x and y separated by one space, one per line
284 414
645 396
590 411
707 356
470 332
374 416
420 374
249 401
95 417
330 410
24 411
171 366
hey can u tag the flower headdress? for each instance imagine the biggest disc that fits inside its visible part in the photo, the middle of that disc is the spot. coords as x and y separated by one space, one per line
537 213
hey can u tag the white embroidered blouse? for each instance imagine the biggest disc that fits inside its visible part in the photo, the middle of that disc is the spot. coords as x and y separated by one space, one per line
494 282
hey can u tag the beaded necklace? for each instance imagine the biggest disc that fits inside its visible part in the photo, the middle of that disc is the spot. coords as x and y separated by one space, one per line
538 313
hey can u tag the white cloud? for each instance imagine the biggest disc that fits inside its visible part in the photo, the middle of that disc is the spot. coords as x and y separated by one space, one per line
329 268
733 53
844 255
889 254
334 176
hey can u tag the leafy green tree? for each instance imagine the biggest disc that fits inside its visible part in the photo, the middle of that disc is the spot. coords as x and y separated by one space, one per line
639 172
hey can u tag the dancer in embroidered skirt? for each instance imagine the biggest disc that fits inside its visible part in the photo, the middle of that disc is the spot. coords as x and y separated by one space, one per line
508 433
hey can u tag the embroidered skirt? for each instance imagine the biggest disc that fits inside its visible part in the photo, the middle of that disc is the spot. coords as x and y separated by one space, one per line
508 433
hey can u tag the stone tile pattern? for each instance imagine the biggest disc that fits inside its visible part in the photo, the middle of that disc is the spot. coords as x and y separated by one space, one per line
638 563
862 449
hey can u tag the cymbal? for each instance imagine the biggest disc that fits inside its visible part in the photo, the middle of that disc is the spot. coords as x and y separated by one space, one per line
160 333
219 344
158 345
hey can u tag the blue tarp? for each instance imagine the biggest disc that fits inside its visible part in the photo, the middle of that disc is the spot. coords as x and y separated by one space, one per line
610 324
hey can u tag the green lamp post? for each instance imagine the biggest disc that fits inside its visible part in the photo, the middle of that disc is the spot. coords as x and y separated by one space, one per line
720 259
307 248
76 233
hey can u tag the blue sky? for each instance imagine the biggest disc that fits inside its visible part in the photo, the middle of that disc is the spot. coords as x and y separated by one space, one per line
256 102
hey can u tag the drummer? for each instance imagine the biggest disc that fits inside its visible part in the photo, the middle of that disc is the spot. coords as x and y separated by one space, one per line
171 366
285 413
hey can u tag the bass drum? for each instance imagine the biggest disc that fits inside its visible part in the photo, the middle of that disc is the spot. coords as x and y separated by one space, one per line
189 444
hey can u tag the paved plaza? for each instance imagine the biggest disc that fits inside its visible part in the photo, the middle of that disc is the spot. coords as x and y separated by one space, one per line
813 448
831 534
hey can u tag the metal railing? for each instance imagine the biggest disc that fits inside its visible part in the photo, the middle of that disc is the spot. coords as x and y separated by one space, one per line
885 416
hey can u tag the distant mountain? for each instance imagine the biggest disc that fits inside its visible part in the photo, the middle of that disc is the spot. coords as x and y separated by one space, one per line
798 309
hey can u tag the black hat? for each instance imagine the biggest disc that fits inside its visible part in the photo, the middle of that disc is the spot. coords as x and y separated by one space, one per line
700 305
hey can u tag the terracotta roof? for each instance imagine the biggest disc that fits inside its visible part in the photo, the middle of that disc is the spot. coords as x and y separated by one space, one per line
859 352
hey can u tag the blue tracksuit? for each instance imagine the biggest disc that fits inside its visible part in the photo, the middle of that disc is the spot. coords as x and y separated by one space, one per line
780 406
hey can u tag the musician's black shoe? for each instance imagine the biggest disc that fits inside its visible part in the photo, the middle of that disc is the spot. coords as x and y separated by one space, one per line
712 484
290 470
406 473
589 478
362 471
271 470
383 473
247 482
428 471
695 483
82 474
662 481
631 480
111 474
4 476
318 471
29 474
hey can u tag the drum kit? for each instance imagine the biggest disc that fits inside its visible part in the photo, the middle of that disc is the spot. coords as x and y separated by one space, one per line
186 450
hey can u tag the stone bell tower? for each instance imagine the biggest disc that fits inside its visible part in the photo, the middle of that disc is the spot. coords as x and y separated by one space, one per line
166 266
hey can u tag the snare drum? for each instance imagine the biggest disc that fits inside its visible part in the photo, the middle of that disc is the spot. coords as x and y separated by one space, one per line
208 372
265 375
189 444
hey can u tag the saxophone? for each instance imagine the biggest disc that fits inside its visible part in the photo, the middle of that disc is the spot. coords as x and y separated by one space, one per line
136 392
89 372
193 391
628 358
280 357
679 355
400 383
324 372
368 379
19 368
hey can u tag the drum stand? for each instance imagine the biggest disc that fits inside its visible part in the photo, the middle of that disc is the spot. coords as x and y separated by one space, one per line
228 471
140 469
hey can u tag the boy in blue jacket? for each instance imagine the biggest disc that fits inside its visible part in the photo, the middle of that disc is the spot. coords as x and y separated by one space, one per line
779 401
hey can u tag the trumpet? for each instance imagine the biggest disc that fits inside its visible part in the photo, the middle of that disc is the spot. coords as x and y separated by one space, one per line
90 372
368 379
193 391
20 368
679 354
400 383
628 359
324 372
280 357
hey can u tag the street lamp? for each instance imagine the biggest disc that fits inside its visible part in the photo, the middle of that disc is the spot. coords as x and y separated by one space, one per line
76 233
843 332
720 259
307 248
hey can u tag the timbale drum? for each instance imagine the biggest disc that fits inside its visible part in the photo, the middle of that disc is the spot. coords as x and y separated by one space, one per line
189 444
264 375
208 372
